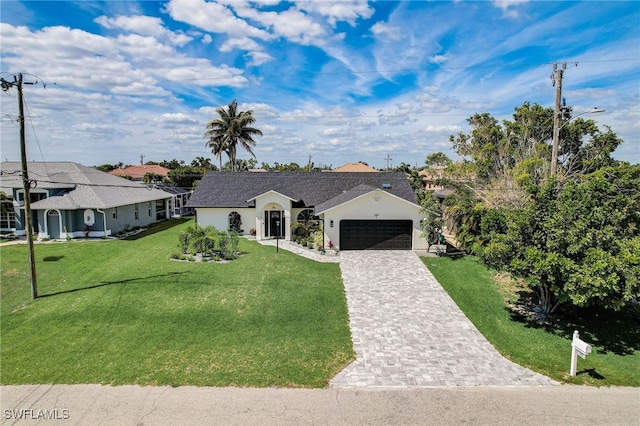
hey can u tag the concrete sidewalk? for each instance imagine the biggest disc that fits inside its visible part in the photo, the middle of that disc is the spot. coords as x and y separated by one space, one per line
134 405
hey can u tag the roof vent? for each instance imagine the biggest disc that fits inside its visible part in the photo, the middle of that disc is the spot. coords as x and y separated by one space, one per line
386 185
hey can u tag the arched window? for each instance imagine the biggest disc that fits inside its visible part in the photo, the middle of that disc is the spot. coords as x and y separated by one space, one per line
306 223
306 215
235 221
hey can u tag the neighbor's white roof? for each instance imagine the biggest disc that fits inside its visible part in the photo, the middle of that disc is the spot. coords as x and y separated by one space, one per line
81 187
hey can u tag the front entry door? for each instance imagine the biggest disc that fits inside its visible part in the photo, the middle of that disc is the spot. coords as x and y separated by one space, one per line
276 225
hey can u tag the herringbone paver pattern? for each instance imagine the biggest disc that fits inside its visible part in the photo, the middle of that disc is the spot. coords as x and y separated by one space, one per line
407 331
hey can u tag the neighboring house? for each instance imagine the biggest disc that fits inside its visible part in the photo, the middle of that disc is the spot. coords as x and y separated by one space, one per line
356 210
71 200
179 198
354 167
136 173
429 177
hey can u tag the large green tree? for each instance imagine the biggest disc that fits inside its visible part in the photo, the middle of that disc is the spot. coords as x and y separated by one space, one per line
578 241
572 235
185 176
230 129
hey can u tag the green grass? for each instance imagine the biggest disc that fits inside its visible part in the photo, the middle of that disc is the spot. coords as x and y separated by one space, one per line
121 312
614 337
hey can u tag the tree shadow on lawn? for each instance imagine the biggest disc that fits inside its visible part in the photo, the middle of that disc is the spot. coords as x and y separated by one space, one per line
611 331
107 283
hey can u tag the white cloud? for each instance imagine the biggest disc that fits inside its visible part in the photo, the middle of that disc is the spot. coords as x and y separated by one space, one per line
292 24
259 58
384 31
243 43
439 59
449 129
339 11
175 118
213 17
144 25
509 7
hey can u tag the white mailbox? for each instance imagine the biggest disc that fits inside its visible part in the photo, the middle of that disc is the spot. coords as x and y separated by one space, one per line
579 348
582 348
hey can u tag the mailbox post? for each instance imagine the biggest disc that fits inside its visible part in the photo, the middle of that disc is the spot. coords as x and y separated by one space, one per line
580 349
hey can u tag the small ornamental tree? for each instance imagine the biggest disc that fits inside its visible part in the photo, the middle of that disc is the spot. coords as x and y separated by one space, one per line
433 221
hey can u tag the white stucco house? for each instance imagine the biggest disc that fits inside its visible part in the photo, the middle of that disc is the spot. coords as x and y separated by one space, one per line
357 211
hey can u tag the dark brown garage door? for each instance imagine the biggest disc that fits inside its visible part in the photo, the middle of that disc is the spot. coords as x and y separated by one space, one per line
375 234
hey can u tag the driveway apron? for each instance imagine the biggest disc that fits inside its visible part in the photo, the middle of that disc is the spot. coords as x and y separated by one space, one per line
407 331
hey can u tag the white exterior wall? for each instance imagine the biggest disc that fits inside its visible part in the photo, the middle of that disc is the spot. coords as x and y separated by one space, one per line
219 218
372 206
272 201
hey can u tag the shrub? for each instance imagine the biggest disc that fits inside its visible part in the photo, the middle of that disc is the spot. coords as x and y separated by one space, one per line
234 240
184 241
209 245
223 242
318 240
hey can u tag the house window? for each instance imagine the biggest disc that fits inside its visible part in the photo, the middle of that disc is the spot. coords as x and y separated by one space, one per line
149 207
160 210
235 221
136 212
306 215
115 213
37 196
33 196
8 216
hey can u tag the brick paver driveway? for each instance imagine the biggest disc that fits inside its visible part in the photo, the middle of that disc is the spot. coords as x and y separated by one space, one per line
407 331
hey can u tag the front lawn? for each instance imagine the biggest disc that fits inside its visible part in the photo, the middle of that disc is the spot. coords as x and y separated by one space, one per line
121 312
545 348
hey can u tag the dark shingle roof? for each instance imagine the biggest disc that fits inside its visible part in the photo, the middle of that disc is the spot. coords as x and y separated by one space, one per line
233 189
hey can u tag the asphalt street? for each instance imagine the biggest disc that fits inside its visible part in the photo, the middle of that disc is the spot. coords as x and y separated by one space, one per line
137 406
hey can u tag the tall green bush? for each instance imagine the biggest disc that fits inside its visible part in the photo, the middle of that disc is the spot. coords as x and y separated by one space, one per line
318 240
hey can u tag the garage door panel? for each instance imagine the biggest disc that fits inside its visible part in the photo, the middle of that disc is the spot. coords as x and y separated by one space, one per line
376 234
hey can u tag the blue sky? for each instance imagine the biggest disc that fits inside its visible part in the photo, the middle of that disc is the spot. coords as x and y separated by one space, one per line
339 81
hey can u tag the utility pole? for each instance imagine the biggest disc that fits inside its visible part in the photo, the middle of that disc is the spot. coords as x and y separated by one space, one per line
26 183
388 160
556 77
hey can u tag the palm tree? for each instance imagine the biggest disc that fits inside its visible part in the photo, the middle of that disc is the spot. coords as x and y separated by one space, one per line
202 163
224 134
217 146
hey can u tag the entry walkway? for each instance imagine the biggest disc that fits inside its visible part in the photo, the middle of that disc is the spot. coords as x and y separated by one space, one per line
407 331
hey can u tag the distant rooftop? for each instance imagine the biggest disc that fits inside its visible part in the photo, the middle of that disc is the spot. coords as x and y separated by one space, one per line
138 172
354 167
